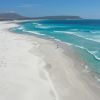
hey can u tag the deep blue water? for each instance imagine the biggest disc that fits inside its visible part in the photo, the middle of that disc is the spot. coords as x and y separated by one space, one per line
85 34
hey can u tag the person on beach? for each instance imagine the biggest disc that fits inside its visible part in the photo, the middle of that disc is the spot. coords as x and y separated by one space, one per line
57 46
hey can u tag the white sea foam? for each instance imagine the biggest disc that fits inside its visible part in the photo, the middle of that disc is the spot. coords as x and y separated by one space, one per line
63 42
93 53
79 46
95 32
21 28
37 25
34 23
33 32
64 32
91 38
74 30
42 27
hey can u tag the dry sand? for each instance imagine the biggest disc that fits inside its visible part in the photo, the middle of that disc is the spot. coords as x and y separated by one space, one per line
32 68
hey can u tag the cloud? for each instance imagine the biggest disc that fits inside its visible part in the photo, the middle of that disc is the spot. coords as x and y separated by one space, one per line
27 5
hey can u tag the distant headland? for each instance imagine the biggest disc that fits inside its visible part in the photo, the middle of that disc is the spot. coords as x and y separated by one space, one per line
15 16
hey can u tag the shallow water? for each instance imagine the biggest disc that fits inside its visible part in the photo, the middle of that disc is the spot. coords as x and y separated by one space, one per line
84 34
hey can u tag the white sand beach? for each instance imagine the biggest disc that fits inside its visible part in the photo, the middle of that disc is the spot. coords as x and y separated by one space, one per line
33 68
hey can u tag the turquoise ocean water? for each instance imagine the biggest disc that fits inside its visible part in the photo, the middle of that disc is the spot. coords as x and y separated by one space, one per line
83 34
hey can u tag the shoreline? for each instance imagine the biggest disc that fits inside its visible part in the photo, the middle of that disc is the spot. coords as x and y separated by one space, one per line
63 70
85 66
